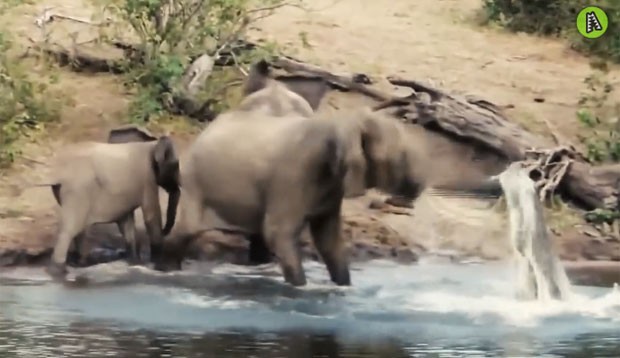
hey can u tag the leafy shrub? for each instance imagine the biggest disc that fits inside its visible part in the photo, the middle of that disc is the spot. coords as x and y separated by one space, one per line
600 120
602 216
171 34
22 106
557 18
608 45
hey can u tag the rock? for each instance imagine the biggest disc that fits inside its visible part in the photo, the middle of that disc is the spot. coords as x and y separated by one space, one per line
15 257
377 204
220 247
100 255
404 255
399 202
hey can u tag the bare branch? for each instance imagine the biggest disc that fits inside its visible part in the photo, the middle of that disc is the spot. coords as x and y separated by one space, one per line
275 7
243 71
49 16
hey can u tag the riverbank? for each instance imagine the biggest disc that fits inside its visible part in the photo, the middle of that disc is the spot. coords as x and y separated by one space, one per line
456 229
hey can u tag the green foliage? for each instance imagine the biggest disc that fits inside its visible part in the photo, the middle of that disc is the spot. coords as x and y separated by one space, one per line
22 105
600 120
171 34
557 18
608 45
599 216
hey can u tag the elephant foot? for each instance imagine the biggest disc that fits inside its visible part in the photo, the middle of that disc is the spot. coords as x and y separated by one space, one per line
343 279
57 271
164 263
167 266
74 258
156 253
339 273
259 254
295 279
134 261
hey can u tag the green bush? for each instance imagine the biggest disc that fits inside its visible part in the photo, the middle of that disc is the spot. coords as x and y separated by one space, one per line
22 106
171 34
557 18
600 120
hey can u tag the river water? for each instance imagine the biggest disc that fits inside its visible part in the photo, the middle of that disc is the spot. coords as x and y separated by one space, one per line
434 308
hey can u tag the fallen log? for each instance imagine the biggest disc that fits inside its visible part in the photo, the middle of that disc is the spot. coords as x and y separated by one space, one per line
346 82
472 119
589 186
466 118
484 123
77 59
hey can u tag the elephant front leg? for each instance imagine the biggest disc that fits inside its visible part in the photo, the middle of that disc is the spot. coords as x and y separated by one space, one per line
283 237
127 227
259 252
152 222
328 241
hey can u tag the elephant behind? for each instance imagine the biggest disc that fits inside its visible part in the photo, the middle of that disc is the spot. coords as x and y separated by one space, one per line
105 182
282 96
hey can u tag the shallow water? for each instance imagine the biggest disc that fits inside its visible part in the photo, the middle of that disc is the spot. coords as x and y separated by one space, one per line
431 309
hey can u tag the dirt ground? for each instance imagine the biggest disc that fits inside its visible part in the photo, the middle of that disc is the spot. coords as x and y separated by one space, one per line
434 41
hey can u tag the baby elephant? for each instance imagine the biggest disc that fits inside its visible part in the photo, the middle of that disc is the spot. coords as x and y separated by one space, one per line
106 182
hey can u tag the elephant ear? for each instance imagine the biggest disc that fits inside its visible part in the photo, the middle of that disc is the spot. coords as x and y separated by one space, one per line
258 78
165 165
130 133
312 89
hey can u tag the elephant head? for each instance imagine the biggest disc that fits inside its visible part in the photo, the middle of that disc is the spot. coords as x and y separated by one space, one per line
164 162
282 95
379 155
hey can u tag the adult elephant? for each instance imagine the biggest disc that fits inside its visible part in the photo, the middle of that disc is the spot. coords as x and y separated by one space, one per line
97 182
282 96
268 174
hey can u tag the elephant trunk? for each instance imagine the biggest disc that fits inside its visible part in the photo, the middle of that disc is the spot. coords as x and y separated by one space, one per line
489 187
171 210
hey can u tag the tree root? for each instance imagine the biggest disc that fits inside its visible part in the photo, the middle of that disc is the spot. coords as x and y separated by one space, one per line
548 167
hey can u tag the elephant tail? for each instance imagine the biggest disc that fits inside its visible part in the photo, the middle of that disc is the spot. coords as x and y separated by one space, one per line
55 189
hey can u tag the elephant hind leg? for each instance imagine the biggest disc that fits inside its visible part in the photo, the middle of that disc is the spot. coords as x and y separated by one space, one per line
325 230
73 221
283 237
259 252
76 255
127 227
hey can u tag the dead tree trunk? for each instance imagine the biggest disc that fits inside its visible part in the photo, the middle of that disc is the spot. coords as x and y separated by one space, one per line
483 123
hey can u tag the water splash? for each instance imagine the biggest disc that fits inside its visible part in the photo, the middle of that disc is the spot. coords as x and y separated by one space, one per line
540 274
470 303
493 307
478 293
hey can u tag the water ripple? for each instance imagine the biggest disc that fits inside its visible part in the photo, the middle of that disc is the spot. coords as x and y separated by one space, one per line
443 310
